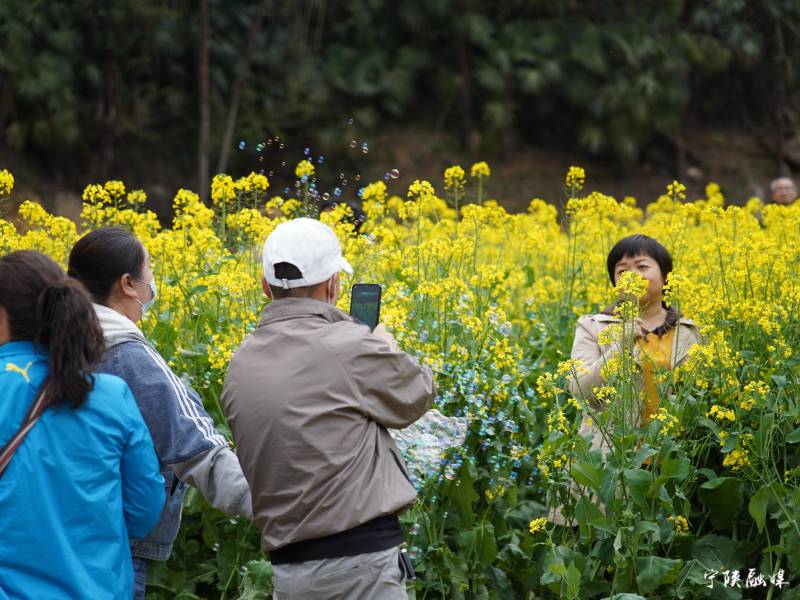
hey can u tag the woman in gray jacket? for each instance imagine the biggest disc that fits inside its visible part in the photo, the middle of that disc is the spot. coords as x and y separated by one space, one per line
115 267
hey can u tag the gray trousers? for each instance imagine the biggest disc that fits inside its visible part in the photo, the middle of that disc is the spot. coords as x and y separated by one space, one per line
374 576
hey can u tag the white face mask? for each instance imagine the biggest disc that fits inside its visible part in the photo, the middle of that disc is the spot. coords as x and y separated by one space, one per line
149 303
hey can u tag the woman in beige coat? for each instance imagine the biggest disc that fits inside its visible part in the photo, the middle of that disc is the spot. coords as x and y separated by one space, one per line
662 336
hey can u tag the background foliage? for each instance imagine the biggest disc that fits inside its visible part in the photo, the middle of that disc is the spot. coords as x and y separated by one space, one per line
93 90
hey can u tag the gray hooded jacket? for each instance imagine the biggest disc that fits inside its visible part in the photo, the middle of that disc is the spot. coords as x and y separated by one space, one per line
187 444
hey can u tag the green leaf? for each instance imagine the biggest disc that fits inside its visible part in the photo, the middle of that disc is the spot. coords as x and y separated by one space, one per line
642 454
730 442
573 580
638 481
464 495
587 474
488 546
724 498
793 437
761 439
717 552
553 568
654 571
645 526
758 506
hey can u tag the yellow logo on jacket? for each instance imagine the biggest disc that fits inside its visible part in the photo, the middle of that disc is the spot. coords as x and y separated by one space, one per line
22 371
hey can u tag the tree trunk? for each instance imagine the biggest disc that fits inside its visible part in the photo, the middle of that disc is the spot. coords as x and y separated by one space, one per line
242 71
780 99
465 68
205 113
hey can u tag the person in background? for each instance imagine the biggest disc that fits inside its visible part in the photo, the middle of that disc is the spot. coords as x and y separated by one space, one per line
783 191
663 337
309 397
78 472
115 268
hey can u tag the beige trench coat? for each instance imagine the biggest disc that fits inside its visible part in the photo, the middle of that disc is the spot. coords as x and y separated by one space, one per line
592 355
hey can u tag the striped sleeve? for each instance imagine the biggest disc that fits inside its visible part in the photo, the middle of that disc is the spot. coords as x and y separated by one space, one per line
179 425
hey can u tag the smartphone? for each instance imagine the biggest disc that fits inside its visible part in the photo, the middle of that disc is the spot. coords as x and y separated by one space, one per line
365 304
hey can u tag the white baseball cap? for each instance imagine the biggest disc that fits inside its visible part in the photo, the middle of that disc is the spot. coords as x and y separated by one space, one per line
310 246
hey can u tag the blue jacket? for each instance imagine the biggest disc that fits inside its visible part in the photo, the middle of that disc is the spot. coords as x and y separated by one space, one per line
80 483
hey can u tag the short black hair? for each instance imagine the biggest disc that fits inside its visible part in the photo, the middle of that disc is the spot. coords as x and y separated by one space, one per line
637 245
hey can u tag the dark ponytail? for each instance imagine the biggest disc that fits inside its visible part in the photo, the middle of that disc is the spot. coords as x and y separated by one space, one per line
101 257
55 312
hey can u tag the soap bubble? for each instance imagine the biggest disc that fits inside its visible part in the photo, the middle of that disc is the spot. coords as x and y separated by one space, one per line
321 159
394 173
242 144
326 196
350 121
337 191
365 147
283 163
353 143
307 151
282 146
358 177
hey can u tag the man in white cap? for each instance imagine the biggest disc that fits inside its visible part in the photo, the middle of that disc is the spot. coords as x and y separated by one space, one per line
309 396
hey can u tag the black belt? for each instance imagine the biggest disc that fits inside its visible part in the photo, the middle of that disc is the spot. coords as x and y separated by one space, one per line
376 535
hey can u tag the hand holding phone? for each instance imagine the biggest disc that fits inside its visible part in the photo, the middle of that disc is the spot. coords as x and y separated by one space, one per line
365 304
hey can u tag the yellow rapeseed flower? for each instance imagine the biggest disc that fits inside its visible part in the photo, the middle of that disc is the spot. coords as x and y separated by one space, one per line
721 413
223 190
631 285
454 178
480 169
537 525
6 182
116 189
737 459
304 169
575 178
680 523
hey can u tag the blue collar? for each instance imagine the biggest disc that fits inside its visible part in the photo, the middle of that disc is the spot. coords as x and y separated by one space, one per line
17 347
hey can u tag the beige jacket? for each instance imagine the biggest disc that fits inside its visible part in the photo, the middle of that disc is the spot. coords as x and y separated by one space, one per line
587 349
309 396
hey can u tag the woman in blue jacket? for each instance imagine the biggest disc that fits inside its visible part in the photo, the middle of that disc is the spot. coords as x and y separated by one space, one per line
115 268
85 476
